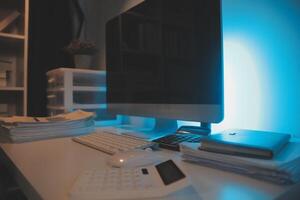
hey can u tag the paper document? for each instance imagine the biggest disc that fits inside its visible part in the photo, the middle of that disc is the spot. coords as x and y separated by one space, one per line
22 129
282 169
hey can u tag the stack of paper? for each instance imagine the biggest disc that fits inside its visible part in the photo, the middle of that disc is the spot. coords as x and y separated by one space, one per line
284 168
23 129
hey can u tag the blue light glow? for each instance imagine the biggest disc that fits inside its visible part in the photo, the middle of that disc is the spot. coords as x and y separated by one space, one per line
113 122
239 191
261 65
242 85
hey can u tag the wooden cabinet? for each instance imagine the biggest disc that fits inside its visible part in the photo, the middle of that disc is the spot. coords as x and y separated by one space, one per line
14 20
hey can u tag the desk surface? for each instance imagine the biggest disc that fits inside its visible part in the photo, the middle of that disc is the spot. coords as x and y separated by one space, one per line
51 166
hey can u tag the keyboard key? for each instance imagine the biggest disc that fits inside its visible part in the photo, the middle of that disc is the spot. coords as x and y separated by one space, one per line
112 143
172 141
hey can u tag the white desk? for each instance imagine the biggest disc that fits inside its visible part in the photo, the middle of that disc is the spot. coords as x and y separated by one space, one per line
50 167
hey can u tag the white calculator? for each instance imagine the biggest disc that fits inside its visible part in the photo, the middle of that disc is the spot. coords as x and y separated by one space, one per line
119 183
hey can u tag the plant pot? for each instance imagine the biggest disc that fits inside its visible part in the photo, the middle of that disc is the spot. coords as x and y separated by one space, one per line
82 61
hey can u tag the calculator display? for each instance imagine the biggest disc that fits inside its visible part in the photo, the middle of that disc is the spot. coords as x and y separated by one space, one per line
169 172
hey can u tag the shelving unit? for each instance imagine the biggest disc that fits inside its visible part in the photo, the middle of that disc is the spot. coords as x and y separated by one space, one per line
14 58
71 89
12 36
11 89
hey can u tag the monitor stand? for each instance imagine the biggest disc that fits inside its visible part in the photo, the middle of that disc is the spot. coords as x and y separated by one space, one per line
203 129
161 127
164 127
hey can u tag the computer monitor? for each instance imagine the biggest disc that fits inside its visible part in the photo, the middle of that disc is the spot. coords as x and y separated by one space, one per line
164 60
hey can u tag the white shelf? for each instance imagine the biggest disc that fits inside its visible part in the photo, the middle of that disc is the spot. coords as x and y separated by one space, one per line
12 36
80 106
80 89
91 89
89 106
11 89
56 90
55 107
59 71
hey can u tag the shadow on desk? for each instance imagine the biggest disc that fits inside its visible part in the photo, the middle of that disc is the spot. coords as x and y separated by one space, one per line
9 187
9 190
188 193
292 194
4 140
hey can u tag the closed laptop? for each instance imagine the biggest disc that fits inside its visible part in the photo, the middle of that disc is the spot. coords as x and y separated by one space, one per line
250 143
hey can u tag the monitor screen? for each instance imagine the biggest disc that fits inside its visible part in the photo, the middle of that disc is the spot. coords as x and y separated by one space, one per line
164 59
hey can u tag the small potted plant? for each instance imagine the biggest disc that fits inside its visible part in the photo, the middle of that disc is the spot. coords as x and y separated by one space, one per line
82 52
81 49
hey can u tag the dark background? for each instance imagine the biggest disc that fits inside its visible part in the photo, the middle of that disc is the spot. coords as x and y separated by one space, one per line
49 32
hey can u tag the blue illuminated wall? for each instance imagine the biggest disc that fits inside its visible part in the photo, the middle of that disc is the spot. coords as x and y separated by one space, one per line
262 65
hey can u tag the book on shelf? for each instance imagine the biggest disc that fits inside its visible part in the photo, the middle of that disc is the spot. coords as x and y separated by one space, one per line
6 62
3 82
3 78
7 17
249 143
3 74
3 109
8 70
5 65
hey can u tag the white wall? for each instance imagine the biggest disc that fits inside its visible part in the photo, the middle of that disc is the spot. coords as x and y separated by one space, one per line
262 67
98 12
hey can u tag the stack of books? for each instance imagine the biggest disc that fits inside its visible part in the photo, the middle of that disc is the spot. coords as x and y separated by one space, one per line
24 129
281 166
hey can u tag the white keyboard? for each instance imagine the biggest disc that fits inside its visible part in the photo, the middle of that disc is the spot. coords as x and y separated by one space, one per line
112 143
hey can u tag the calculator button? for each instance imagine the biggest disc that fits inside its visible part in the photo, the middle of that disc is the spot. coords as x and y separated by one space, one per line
145 171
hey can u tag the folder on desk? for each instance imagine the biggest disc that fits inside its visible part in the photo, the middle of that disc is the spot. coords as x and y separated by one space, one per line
250 143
